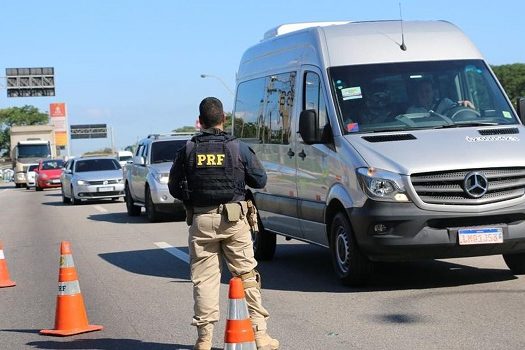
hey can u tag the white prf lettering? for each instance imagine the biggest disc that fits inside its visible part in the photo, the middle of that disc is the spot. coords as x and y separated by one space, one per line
220 159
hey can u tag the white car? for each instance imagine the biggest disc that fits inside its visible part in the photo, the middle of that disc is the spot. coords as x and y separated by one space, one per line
31 176
92 178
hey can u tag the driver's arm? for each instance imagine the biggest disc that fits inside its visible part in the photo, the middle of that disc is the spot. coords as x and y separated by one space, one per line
466 103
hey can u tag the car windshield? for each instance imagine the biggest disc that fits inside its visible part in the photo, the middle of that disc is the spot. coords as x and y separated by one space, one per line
32 167
164 151
52 164
33 151
86 165
418 95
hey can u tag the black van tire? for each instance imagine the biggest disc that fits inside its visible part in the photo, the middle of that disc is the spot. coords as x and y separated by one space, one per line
515 262
351 266
131 208
264 243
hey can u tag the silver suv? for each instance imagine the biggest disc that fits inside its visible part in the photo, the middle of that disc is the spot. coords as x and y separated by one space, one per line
146 179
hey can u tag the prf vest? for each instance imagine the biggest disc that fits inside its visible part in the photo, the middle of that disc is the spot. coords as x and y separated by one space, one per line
213 170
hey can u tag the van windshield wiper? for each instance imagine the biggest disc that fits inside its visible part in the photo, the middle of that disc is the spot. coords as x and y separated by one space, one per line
467 123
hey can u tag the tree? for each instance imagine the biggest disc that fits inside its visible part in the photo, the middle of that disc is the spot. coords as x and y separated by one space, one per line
26 115
185 129
512 78
227 125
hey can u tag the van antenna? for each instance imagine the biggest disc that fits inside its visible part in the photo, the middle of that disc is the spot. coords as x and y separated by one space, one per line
402 46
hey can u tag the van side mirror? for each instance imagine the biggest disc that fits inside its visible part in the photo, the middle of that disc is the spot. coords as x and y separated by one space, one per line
308 126
520 103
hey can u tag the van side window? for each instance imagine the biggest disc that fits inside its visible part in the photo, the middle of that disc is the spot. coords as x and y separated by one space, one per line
279 102
314 99
249 109
263 109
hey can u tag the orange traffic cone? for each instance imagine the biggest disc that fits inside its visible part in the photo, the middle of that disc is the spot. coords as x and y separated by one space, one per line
70 317
4 273
239 332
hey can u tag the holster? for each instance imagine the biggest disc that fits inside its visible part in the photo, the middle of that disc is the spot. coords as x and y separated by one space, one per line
251 216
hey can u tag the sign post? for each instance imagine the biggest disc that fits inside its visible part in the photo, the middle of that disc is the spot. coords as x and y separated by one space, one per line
58 118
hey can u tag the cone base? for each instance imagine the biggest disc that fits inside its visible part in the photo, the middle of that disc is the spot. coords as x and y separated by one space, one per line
7 284
67 332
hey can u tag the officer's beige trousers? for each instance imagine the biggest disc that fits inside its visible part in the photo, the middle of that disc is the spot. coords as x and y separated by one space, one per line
212 237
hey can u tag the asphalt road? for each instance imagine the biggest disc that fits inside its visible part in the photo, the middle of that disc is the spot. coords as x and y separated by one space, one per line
134 281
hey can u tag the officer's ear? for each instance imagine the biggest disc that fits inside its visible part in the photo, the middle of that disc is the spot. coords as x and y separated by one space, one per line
201 123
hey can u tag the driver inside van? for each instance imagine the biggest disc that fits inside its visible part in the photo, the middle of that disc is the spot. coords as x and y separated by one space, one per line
427 101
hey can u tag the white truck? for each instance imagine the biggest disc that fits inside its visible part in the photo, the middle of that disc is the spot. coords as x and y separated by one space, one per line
29 143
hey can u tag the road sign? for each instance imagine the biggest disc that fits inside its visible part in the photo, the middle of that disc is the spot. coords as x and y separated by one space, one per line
57 109
89 131
30 82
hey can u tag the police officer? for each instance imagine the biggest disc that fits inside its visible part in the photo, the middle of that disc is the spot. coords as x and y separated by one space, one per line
209 175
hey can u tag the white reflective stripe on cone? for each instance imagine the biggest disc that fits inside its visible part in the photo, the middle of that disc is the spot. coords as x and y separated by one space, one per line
68 288
238 310
241 346
2 257
66 261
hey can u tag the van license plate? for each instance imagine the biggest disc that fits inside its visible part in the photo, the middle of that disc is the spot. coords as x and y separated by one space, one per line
105 189
491 235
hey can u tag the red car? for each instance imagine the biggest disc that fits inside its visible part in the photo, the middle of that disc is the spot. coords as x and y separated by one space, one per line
48 173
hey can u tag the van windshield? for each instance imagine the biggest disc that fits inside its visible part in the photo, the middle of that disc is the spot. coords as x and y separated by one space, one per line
418 95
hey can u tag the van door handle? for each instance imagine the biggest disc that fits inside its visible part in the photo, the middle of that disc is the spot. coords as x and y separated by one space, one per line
302 154
291 153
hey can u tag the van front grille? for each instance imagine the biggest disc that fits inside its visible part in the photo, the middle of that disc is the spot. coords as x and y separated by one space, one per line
486 186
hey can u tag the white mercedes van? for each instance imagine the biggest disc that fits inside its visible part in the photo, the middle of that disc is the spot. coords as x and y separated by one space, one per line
384 141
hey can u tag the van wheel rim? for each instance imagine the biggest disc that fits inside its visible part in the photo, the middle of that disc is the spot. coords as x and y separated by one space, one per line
342 250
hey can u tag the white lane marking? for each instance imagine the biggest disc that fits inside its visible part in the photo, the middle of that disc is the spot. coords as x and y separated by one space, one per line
174 251
100 209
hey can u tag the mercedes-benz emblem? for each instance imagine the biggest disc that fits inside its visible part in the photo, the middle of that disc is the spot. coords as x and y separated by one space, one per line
475 184
105 182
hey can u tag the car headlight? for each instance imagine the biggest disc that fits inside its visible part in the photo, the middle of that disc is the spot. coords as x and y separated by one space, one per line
382 185
81 182
161 177
119 181
43 176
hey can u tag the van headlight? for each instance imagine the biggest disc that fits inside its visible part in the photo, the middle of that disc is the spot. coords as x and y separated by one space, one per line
81 182
382 185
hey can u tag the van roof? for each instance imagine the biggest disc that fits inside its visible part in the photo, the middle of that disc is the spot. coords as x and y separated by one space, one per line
292 27
328 44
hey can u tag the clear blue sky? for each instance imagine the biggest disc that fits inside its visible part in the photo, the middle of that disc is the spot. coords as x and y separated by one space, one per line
136 65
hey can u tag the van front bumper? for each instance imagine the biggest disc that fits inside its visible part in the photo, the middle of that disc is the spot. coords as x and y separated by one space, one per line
407 232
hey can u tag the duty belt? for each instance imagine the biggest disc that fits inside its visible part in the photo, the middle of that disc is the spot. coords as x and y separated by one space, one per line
215 209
